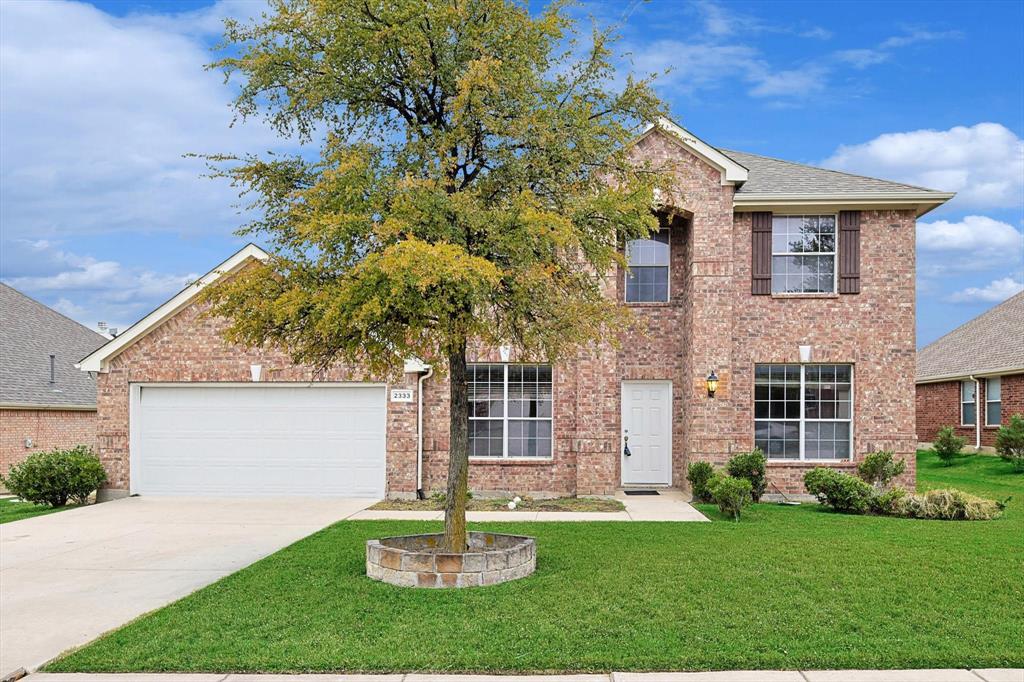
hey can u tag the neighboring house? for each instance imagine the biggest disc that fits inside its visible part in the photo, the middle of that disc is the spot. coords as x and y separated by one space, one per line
794 284
45 402
973 377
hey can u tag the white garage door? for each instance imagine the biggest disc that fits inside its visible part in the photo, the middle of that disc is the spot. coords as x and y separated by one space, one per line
259 440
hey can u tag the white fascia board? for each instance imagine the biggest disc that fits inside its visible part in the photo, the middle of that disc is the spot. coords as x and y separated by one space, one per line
960 376
415 366
98 360
922 202
732 172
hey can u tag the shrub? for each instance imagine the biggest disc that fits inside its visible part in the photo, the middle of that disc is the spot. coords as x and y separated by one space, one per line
750 465
879 468
55 477
842 492
1010 442
949 505
730 494
948 445
888 503
699 474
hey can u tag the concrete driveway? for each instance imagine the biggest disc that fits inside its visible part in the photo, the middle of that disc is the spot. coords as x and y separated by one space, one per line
68 577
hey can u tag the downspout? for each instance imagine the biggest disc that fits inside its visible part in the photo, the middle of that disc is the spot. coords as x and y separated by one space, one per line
419 434
977 412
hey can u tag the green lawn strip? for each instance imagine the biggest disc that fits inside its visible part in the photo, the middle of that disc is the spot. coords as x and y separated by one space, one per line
559 504
788 587
15 510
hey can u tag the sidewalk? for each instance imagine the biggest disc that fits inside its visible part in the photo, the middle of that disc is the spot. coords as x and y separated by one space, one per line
668 505
948 675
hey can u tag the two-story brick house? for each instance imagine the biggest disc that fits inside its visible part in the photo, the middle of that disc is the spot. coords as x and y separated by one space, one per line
793 285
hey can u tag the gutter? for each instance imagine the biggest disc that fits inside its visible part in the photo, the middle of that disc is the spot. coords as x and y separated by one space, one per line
419 432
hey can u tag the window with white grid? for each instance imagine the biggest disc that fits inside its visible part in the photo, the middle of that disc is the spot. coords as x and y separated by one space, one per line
804 411
510 409
803 254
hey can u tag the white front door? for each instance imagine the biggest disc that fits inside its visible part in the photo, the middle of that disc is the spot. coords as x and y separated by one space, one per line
647 433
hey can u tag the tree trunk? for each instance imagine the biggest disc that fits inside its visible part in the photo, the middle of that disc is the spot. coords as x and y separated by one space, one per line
458 454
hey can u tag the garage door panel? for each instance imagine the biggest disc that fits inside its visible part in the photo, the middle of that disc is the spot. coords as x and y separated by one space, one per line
261 440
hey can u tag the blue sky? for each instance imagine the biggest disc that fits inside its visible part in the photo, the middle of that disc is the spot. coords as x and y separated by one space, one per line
102 217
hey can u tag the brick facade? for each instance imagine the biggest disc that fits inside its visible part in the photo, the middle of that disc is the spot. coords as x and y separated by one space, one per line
48 429
711 322
938 405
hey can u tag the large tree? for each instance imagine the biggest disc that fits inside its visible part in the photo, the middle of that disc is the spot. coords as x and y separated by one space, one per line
471 187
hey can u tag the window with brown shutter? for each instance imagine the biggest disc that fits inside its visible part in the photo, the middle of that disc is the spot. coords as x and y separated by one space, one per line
849 252
761 254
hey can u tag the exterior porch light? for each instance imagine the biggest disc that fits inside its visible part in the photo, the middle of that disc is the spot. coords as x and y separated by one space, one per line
712 383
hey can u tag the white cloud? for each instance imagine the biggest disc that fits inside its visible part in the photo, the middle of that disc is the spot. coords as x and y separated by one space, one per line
918 36
972 234
102 289
97 113
862 58
995 292
792 83
983 163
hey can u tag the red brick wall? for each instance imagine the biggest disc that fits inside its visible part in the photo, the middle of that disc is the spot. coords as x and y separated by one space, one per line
48 429
938 405
189 348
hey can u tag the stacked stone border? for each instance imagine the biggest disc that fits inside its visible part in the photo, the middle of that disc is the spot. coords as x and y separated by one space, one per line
414 560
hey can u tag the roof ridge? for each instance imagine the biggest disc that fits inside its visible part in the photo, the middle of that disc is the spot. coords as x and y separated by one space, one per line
985 314
827 170
52 310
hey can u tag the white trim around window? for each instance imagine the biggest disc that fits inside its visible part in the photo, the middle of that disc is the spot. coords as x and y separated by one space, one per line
968 386
803 410
511 411
995 383
649 258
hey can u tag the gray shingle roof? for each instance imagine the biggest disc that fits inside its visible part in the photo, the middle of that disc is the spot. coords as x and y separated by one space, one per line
775 176
29 333
991 342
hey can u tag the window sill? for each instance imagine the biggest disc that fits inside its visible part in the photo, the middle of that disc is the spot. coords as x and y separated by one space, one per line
512 461
648 304
805 462
795 295
992 427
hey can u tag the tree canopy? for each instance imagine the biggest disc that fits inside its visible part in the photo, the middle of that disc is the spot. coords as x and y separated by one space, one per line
471 182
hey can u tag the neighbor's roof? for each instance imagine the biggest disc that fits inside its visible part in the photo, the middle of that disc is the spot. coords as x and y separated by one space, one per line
29 333
99 359
990 344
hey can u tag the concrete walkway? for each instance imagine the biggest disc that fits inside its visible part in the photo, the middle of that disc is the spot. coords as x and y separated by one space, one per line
71 576
948 675
668 505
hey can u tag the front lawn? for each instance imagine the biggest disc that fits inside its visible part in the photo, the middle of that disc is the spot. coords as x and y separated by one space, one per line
789 587
12 509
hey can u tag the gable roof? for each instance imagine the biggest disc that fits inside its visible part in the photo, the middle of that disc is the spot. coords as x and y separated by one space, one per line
30 333
98 361
732 172
990 344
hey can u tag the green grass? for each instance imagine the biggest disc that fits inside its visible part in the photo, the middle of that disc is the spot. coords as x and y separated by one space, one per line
788 587
559 504
16 510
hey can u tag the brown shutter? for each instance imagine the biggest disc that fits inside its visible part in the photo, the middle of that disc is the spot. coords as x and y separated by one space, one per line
849 252
761 253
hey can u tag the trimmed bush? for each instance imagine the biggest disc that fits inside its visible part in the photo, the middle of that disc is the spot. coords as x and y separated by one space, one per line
888 503
730 494
841 491
948 505
879 468
57 476
948 445
750 465
1010 442
699 474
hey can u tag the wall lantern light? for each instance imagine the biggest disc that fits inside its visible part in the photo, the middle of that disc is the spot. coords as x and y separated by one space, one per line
712 383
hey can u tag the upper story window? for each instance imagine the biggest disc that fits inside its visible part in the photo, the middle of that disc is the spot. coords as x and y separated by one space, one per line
803 254
993 401
648 259
968 405
509 410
